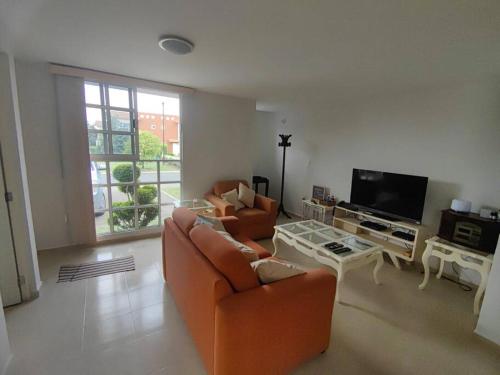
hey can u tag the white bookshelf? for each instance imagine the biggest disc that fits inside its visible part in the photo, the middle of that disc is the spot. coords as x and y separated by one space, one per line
397 248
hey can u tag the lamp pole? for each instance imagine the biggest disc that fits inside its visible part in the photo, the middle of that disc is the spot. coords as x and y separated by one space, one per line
284 143
163 130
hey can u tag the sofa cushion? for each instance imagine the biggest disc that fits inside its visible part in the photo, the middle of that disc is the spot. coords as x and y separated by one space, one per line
184 218
221 187
232 197
246 195
251 215
225 257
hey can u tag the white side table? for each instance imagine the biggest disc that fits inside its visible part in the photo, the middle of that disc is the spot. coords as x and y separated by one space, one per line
464 257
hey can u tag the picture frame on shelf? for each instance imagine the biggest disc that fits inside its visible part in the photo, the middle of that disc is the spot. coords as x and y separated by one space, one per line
318 193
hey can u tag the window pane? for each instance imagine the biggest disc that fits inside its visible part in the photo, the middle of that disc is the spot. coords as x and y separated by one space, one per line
122 144
122 195
118 97
120 121
97 143
170 171
121 172
102 223
100 198
148 216
148 171
124 219
94 118
92 93
147 194
170 193
150 145
98 172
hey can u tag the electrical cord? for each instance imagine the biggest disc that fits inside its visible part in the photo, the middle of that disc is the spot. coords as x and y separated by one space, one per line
464 287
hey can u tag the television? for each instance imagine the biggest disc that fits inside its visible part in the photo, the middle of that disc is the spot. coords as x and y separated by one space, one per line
389 195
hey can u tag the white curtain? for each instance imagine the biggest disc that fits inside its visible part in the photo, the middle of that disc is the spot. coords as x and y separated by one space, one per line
75 159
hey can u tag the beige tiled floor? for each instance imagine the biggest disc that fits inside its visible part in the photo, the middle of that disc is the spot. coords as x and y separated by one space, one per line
128 323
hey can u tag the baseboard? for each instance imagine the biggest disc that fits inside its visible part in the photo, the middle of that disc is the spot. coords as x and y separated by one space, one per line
110 239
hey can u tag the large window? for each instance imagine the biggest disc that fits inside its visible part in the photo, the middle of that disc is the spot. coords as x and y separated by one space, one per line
135 167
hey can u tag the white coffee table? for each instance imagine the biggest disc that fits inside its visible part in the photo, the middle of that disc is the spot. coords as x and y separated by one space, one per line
310 236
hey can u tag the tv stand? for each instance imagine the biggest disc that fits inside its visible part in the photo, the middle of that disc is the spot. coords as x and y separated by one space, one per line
395 247
385 217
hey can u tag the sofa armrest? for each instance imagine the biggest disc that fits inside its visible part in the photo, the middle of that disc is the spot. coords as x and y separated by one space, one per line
231 223
291 318
266 204
222 208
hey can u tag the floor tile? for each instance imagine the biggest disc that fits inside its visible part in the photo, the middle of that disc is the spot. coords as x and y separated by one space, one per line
143 277
147 295
106 306
106 285
100 332
150 319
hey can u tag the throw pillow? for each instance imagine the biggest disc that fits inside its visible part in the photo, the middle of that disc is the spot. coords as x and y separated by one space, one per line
248 252
246 195
232 197
212 222
271 270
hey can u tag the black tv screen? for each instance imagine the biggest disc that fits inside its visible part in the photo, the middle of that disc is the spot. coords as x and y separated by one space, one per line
398 196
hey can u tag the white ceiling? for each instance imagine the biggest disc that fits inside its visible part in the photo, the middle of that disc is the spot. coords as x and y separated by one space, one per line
273 50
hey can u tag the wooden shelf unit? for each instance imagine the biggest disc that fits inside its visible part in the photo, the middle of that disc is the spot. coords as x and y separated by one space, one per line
395 247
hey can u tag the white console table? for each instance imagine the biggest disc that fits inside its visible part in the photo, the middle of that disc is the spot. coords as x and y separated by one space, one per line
464 257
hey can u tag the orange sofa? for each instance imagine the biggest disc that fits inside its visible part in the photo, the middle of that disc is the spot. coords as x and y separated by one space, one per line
239 326
257 222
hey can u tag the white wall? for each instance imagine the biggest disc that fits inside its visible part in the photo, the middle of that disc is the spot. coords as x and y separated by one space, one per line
450 135
13 149
37 102
266 161
216 133
488 324
5 353
216 140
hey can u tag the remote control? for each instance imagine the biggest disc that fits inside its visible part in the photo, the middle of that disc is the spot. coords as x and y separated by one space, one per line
333 245
342 250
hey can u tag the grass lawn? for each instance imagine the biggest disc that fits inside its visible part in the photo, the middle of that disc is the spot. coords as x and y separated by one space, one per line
174 190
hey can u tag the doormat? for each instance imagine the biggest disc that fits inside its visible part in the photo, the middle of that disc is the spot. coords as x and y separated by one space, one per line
88 270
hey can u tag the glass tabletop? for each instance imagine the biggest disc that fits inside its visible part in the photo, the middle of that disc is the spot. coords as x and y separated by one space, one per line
333 234
194 203
314 238
293 228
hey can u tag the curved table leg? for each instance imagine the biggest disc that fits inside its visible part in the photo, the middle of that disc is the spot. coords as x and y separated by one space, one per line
378 266
395 261
441 267
480 291
275 243
425 261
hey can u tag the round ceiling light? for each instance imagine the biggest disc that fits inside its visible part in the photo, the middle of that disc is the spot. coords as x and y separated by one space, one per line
175 44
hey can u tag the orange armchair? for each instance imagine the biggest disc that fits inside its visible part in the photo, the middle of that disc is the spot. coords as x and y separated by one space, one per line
257 222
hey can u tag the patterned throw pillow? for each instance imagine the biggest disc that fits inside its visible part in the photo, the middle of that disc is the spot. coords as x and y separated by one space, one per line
246 195
212 222
232 197
248 252
271 270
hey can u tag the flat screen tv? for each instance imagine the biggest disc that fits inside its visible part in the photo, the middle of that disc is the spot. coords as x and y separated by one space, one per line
392 195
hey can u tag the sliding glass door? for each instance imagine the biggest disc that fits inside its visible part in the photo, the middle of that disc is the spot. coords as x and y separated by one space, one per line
135 159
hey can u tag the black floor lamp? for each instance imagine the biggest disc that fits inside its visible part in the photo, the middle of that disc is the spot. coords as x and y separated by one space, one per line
284 143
